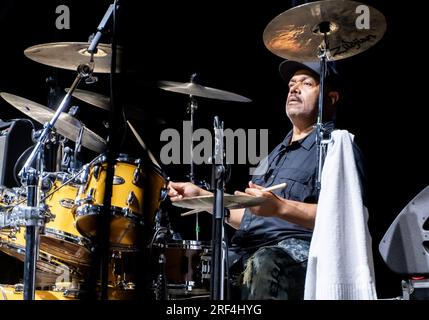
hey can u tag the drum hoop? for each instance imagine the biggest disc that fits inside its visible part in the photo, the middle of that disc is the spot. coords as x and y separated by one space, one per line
189 244
68 237
44 258
89 209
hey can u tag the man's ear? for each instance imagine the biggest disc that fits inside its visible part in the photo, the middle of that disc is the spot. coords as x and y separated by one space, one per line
333 96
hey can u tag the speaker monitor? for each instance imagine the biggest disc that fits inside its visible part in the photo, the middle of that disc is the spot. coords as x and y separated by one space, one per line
15 138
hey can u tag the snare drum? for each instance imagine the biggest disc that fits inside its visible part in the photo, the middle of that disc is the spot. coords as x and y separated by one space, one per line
186 267
61 237
136 196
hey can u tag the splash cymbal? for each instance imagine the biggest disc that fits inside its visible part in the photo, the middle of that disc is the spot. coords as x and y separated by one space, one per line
66 125
69 55
297 33
194 89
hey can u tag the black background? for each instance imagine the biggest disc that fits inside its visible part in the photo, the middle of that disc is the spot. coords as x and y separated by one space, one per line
222 42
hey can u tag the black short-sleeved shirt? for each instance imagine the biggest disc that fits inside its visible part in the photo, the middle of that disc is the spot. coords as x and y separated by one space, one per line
296 164
293 163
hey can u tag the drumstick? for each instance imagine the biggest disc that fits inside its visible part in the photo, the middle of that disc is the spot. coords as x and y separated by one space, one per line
276 187
140 140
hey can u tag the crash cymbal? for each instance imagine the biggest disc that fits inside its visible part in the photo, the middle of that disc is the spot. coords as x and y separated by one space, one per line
194 89
93 98
296 33
230 202
69 55
66 125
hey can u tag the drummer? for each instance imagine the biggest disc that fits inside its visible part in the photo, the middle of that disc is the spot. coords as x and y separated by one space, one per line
270 247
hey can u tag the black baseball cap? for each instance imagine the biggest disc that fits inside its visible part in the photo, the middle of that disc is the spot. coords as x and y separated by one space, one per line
288 68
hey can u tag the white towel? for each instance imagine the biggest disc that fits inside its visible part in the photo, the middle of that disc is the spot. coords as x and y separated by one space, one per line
340 263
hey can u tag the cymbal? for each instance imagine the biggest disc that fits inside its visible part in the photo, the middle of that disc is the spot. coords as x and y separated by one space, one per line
69 55
230 202
66 125
296 33
194 89
93 98
103 102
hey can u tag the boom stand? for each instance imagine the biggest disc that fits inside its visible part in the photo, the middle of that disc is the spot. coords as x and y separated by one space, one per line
219 245
35 219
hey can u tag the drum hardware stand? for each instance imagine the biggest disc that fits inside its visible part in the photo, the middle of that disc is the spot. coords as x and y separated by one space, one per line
322 136
193 105
30 178
217 291
162 235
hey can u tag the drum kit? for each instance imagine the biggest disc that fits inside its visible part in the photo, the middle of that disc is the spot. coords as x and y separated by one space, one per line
71 201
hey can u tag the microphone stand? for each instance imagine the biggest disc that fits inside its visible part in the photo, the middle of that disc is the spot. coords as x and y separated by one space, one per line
219 246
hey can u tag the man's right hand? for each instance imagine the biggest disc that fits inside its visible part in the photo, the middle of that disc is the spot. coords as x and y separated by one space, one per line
180 190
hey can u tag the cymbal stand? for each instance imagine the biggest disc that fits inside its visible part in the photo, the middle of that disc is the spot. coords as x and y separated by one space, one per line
76 163
219 245
32 214
322 137
193 105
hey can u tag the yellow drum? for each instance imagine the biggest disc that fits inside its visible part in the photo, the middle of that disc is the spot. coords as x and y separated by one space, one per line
49 270
61 237
136 196
10 292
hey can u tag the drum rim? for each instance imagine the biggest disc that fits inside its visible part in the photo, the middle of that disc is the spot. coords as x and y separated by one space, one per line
188 244
44 258
68 237
87 209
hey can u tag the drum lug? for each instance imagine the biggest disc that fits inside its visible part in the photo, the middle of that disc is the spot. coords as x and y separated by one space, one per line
97 172
88 199
137 176
131 198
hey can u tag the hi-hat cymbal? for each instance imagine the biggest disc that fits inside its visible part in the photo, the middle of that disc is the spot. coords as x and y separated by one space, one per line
194 89
230 202
69 55
66 125
297 33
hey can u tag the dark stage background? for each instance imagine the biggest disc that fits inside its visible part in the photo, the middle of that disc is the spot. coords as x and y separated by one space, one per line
222 42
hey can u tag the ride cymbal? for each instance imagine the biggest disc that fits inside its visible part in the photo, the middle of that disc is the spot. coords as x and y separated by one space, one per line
351 28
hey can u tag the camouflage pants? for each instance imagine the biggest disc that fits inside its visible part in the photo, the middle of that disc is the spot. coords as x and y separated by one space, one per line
276 272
